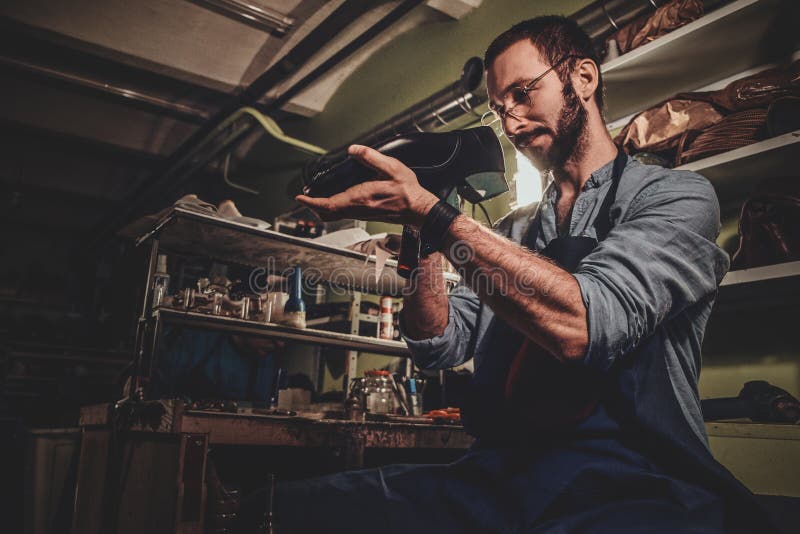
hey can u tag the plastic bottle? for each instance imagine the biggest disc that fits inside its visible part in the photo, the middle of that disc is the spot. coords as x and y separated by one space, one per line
294 312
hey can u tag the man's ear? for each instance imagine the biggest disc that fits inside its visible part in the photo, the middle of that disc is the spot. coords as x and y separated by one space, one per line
585 78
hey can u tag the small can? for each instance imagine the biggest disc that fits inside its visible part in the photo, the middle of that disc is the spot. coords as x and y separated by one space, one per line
386 319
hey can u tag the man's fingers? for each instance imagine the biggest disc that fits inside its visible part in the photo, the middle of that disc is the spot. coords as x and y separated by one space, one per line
358 195
375 160
312 202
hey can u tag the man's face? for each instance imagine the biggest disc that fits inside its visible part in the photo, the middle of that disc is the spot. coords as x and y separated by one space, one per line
553 130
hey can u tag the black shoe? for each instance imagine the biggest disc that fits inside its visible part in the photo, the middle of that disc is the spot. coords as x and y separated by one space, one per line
470 161
771 404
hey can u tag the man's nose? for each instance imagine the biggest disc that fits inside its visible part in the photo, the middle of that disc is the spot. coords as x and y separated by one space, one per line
511 125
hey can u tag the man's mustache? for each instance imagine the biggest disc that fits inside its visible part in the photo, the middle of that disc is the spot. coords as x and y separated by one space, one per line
522 140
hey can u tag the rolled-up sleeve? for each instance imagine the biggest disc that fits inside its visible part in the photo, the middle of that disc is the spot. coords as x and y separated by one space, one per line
659 260
452 346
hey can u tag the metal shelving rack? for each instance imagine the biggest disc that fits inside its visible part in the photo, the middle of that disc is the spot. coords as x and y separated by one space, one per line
187 232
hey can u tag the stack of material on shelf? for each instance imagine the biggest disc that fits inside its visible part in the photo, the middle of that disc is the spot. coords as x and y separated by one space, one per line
650 27
769 225
692 126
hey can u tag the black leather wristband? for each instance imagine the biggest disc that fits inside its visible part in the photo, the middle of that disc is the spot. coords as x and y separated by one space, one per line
435 228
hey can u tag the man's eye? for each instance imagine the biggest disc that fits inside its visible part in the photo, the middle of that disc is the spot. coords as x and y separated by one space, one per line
518 95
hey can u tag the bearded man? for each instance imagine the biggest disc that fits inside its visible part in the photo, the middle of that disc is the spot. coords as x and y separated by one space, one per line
584 401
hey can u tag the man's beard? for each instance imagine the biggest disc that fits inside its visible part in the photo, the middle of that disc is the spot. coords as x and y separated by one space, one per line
569 138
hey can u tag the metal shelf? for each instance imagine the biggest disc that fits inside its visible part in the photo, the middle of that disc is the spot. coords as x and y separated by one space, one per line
307 335
758 274
735 174
200 234
760 287
727 41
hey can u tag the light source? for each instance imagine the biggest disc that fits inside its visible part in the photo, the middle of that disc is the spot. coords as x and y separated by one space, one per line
527 182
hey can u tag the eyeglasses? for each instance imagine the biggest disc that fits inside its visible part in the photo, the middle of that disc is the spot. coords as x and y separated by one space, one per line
520 98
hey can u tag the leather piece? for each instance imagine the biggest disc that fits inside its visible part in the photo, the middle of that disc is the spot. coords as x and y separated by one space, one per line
732 132
659 129
769 225
758 90
665 19
672 128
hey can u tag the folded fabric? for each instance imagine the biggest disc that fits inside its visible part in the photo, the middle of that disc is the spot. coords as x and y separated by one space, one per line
665 19
190 202
769 224
659 129
343 238
758 90
228 210
734 131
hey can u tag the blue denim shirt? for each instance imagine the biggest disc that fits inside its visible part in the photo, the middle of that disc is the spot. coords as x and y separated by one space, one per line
648 288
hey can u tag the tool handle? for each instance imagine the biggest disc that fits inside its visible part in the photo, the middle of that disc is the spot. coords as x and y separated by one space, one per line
408 260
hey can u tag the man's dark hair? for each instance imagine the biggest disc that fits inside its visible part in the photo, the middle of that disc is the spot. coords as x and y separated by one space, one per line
555 37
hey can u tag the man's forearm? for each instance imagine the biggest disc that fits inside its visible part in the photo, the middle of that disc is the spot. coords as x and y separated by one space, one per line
425 306
529 291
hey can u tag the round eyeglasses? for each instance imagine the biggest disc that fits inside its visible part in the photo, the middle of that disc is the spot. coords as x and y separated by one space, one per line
517 100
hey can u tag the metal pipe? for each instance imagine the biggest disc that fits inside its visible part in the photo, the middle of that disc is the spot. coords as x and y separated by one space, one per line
161 104
440 109
260 16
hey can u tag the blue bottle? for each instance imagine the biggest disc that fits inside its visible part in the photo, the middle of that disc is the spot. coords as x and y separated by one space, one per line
294 312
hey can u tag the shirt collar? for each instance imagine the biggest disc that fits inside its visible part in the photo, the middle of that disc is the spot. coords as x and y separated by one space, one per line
597 178
602 175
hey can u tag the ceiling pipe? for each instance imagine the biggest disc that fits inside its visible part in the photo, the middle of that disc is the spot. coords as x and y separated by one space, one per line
460 98
176 109
262 17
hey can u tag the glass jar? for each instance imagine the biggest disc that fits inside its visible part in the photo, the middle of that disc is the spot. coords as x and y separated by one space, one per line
378 392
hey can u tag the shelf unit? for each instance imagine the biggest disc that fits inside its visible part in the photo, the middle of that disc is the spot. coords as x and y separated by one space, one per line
303 335
734 174
727 41
764 287
193 233
738 39
201 234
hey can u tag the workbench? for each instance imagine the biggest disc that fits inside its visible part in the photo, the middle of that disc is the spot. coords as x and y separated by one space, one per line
147 473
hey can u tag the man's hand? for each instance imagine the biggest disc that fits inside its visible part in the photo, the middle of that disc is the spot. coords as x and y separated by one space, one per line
395 196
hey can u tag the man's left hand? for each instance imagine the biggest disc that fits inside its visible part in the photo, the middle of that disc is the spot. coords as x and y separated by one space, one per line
394 196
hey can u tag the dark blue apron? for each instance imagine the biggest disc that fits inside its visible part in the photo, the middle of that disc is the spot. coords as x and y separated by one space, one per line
521 389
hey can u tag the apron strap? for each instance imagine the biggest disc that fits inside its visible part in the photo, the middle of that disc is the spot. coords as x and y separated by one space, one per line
602 223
